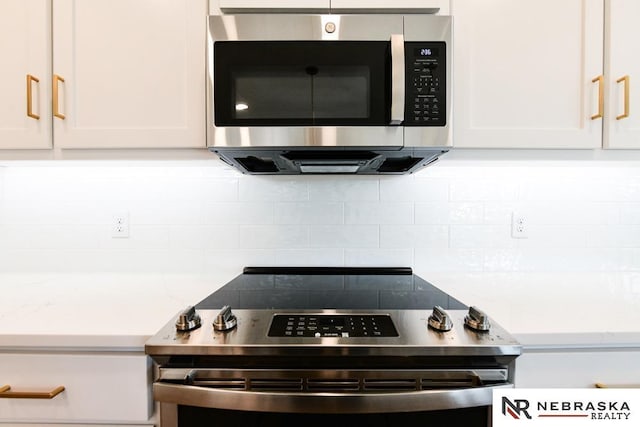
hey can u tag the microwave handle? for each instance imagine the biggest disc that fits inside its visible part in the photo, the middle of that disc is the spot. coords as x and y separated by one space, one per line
397 79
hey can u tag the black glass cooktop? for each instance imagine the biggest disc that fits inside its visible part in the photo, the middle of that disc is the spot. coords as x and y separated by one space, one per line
352 288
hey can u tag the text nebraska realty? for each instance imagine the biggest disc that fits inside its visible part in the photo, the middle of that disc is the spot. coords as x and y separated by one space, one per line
594 410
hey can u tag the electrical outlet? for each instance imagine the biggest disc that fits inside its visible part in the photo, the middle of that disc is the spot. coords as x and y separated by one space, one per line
120 225
519 226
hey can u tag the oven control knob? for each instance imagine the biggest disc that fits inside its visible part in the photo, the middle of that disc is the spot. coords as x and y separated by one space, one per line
225 320
440 320
188 320
477 320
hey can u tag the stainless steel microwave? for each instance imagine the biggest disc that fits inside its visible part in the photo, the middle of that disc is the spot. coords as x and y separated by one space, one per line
358 94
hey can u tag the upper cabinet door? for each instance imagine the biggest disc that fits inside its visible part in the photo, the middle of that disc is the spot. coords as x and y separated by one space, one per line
25 108
622 118
527 74
129 73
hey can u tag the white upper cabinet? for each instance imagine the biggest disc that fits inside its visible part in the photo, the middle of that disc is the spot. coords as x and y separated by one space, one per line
129 73
622 64
25 107
527 74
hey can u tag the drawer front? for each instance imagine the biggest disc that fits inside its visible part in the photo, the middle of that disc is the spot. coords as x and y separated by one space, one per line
98 387
578 369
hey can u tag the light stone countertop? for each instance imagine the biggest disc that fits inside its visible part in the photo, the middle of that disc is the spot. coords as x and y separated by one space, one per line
555 310
106 312
94 311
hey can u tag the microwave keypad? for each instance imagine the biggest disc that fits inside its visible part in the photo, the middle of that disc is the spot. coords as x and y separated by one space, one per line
425 84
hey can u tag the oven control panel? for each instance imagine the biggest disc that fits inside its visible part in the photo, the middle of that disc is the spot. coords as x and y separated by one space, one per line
332 325
425 77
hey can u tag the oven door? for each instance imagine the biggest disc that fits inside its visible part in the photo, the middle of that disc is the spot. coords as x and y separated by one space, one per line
336 397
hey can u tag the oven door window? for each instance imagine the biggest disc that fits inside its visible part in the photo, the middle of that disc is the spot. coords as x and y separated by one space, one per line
313 83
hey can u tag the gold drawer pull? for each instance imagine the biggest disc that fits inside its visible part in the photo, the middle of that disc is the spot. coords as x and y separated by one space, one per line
624 115
600 80
30 80
5 393
56 100
602 385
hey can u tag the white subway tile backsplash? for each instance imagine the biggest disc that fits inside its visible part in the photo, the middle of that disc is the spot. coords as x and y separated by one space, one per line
64 237
571 212
378 213
414 236
158 212
273 236
449 213
232 261
559 259
483 189
343 236
220 189
52 212
625 190
481 236
192 237
413 189
141 237
559 189
238 213
206 217
343 189
555 236
625 236
273 189
630 213
500 212
310 257
378 257
448 260
309 213
635 265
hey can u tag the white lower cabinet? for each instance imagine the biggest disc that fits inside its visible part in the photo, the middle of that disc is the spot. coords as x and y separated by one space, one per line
99 388
578 369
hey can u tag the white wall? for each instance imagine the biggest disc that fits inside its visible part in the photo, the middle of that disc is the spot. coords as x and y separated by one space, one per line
200 217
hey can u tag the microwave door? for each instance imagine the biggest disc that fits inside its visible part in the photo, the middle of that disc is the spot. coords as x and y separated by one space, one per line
306 83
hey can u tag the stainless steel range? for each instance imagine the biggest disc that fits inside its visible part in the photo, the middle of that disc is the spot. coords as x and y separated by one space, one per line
317 365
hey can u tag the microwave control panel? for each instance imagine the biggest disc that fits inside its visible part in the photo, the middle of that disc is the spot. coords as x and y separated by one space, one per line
425 77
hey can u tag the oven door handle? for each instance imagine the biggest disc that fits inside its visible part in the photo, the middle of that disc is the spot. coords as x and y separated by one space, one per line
327 403
397 79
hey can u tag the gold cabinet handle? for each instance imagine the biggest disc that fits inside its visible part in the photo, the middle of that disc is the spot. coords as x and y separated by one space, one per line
600 80
6 393
602 385
56 104
30 80
624 115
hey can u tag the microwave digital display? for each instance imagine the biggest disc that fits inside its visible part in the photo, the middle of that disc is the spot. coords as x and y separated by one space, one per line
425 51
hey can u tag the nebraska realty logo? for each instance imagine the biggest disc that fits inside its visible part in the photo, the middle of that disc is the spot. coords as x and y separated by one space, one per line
566 407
